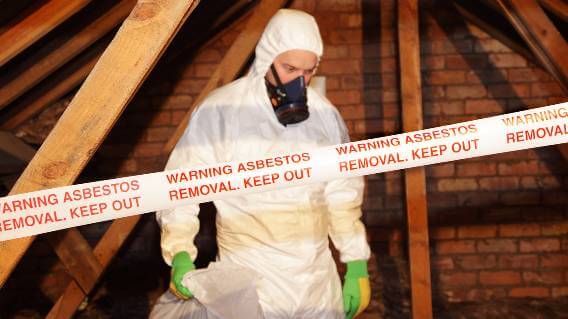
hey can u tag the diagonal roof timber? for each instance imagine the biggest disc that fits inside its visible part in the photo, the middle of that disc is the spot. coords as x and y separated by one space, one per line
15 147
181 49
557 7
67 79
39 22
75 253
480 14
104 251
14 156
53 89
122 68
547 44
235 58
48 59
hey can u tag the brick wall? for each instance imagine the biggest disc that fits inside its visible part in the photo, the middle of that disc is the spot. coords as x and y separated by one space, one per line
499 224
503 218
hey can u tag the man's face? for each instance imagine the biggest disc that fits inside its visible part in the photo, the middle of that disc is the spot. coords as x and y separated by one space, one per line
292 64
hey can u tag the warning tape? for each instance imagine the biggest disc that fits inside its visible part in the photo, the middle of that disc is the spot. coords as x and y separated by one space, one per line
48 210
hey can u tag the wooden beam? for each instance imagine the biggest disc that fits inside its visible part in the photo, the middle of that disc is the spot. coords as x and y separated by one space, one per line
232 63
558 7
54 55
14 156
547 44
76 255
28 30
472 12
58 85
104 251
113 82
415 179
477 13
179 50
15 147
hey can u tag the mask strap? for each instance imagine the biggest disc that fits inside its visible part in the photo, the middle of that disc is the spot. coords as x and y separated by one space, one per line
276 77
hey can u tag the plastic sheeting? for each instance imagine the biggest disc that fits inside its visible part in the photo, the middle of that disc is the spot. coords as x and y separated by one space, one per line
222 291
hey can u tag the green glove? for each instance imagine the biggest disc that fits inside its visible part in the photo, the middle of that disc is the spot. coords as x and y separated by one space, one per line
181 265
356 289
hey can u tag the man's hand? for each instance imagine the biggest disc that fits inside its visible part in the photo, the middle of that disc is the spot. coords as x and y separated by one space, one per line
181 265
356 289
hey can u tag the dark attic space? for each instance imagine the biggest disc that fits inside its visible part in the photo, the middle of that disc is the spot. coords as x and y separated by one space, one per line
97 90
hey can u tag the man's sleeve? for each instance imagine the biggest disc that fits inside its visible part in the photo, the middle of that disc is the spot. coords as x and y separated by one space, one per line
344 199
197 147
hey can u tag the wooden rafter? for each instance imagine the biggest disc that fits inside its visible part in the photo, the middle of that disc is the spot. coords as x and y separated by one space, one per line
76 254
59 84
15 147
232 63
558 7
473 13
547 44
415 178
117 76
28 30
477 14
104 252
48 59
75 72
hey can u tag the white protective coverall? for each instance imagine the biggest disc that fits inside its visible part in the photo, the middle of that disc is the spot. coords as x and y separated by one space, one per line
281 234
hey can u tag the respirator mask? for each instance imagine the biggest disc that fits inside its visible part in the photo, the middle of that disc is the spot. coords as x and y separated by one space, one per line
289 101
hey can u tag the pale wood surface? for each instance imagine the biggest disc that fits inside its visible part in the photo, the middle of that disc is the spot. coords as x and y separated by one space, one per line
113 82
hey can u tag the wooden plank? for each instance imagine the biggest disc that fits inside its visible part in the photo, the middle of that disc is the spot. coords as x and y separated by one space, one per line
119 230
14 156
113 82
76 255
15 147
104 251
232 63
58 85
28 30
54 55
415 179
558 7
476 14
178 52
472 13
547 44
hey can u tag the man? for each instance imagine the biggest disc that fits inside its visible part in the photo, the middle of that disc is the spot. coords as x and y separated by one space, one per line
281 234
